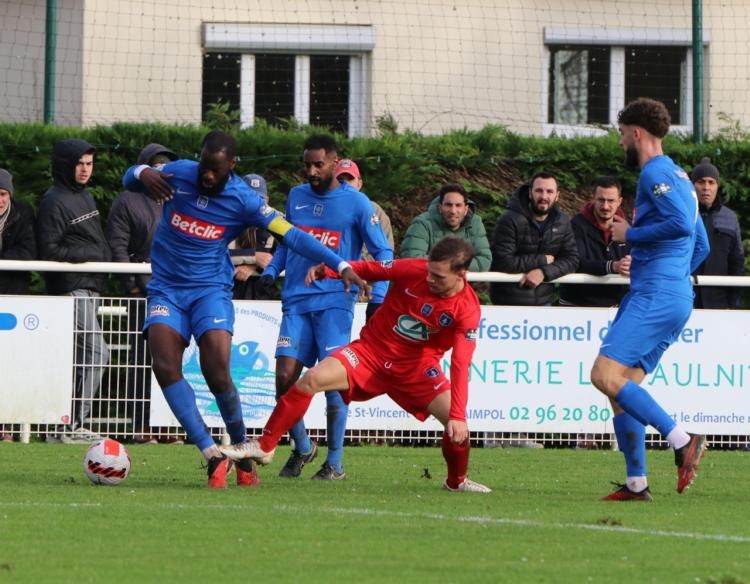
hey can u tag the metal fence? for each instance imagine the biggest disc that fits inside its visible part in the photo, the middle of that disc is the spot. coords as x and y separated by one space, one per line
120 408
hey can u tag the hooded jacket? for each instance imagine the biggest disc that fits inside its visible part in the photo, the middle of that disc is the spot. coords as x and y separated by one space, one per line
726 258
18 243
429 227
132 222
69 228
595 252
519 244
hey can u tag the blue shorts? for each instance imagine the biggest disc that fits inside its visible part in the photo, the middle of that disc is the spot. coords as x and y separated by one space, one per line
191 312
645 326
310 337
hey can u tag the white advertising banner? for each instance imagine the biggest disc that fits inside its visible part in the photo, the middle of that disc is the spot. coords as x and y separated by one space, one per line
530 373
36 349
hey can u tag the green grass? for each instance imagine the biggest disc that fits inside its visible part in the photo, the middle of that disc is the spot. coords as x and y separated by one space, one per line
385 523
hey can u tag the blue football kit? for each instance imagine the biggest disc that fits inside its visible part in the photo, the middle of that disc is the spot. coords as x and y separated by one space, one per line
317 319
667 242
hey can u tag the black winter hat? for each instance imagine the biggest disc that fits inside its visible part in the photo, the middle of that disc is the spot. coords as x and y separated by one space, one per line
704 169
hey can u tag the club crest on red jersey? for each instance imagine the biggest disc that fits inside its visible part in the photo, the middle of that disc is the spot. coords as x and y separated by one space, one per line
445 320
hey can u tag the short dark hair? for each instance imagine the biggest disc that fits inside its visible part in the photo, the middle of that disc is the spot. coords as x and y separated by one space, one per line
321 141
452 188
606 182
455 249
217 141
649 114
544 175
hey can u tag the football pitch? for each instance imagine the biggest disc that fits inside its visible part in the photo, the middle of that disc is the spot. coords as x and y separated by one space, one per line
390 521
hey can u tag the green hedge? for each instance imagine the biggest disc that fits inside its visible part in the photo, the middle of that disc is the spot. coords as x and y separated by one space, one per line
402 171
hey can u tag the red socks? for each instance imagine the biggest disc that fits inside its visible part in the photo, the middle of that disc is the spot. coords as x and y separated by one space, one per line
457 458
289 410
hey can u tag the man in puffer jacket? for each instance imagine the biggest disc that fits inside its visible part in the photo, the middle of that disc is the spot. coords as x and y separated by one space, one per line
69 229
535 238
450 213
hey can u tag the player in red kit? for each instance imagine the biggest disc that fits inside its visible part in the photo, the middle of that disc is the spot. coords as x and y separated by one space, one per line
429 309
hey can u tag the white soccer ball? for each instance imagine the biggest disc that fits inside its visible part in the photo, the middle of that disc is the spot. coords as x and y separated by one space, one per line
106 462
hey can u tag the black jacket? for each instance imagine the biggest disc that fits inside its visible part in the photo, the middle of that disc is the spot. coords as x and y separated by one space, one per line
519 245
726 258
18 243
69 228
131 225
594 257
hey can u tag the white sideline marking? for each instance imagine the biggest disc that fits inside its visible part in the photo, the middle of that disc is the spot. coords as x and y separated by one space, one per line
484 520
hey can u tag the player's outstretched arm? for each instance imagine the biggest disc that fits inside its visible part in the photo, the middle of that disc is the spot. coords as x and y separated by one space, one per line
149 180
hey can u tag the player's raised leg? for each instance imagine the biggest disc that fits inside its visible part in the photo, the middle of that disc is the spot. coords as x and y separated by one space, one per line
328 375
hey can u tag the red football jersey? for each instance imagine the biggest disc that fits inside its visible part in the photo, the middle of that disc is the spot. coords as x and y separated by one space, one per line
413 323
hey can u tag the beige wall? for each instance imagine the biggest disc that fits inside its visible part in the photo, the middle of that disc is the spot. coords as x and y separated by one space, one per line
436 65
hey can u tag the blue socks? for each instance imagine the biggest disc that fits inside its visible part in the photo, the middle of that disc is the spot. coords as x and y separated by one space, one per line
302 442
638 403
336 414
631 438
181 400
231 412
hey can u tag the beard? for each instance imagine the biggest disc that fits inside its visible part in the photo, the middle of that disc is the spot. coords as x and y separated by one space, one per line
320 185
631 157
216 189
538 212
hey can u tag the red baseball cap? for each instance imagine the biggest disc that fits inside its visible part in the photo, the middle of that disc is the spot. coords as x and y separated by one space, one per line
347 166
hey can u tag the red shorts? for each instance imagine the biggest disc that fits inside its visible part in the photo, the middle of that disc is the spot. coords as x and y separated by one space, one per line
411 383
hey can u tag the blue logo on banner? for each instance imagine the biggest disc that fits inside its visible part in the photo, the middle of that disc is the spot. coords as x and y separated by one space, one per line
250 371
7 321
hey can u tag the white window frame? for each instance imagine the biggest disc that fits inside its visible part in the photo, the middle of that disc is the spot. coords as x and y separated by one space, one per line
617 40
356 41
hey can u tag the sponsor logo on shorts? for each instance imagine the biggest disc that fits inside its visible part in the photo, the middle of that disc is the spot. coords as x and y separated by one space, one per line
445 320
350 356
387 263
158 310
195 227
472 335
328 237
284 342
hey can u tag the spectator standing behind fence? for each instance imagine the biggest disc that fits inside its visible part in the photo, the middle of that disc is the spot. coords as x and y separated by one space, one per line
206 207
667 243
317 319
727 257
258 243
17 242
451 212
131 225
535 238
348 171
17 236
69 229
598 254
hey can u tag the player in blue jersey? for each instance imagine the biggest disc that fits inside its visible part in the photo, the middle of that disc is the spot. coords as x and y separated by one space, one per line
206 206
667 242
317 319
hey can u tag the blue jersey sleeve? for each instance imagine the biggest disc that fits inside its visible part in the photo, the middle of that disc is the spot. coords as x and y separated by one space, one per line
377 244
675 210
